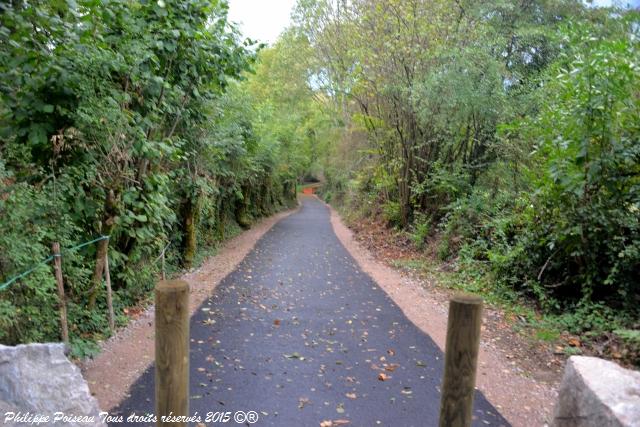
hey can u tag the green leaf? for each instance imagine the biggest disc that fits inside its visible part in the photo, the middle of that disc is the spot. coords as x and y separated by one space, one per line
37 135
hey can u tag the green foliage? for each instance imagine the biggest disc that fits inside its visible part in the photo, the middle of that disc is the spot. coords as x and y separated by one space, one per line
579 238
422 229
391 213
593 317
506 130
137 120
509 128
81 348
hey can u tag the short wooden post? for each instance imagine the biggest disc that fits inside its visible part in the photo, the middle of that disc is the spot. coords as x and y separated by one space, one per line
461 361
57 268
172 350
107 278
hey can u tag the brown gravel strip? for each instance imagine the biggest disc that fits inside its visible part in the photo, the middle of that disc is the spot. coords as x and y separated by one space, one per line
126 355
522 399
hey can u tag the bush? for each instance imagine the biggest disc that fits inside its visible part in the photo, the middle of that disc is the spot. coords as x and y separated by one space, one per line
421 230
391 213
581 237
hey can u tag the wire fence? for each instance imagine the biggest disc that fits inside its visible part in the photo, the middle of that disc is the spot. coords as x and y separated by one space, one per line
56 257
47 260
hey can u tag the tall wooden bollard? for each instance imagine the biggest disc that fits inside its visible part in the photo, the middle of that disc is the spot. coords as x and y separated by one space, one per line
172 350
460 361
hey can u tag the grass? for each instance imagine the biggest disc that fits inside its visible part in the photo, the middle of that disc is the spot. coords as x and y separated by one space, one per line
590 323
547 335
527 321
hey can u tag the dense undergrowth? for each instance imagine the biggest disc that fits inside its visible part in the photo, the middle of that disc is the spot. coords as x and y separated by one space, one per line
507 132
512 142
148 122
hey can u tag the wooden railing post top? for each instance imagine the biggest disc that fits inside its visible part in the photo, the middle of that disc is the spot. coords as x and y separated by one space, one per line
463 298
172 286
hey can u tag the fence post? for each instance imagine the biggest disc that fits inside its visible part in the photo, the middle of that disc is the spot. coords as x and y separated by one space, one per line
164 277
107 277
172 350
57 268
461 361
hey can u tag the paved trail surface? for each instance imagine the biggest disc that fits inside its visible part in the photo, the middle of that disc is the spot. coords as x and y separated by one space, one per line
299 334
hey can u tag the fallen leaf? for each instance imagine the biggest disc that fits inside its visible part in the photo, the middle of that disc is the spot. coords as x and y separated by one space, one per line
276 322
302 402
383 377
574 342
392 367
340 408
294 355
351 395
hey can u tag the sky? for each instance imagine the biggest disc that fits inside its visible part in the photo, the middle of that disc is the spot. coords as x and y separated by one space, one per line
622 3
261 20
264 20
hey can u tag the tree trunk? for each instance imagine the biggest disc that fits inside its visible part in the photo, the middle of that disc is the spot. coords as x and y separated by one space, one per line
242 211
190 227
108 221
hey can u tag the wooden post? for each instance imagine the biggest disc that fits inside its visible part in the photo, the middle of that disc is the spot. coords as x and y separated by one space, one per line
164 277
172 350
107 277
57 268
461 361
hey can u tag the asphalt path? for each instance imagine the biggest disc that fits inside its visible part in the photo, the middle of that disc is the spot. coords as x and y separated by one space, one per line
299 335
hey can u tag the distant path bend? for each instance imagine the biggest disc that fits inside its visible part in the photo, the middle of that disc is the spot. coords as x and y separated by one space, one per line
299 334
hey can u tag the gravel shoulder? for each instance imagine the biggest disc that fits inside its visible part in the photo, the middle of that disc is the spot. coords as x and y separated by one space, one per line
126 355
522 395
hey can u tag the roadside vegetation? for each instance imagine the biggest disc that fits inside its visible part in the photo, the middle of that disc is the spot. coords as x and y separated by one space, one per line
501 138
148 122
505 134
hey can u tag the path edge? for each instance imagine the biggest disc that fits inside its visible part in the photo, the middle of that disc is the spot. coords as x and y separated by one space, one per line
519 399
131 351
